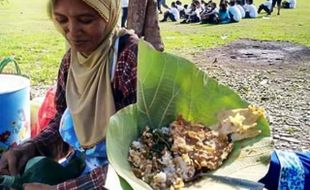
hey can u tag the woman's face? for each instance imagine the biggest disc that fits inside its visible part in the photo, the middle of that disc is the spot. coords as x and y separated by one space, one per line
82 25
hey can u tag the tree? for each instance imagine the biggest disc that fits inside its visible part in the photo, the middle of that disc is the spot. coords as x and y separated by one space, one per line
143 19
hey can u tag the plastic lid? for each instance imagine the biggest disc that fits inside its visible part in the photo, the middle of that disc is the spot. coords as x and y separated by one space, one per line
11 83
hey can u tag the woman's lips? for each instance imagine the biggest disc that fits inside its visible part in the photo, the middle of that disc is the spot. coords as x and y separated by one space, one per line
78 42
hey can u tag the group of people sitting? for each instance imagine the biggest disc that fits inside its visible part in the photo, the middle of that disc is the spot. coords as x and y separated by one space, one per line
228 11
268 5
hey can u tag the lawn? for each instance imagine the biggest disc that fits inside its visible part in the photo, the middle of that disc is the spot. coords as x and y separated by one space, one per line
27 34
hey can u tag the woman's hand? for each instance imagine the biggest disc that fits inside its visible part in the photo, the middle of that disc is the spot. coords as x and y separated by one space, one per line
38 186
14 160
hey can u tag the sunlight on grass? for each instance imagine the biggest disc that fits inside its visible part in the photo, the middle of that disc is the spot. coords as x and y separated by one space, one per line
292 25
27 34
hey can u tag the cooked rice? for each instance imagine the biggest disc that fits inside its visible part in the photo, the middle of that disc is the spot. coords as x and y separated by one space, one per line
166 158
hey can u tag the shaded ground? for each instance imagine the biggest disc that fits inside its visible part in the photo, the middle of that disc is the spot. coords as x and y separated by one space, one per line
274 75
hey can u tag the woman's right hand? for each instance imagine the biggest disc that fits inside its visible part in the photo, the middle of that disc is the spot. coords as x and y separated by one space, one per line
14 160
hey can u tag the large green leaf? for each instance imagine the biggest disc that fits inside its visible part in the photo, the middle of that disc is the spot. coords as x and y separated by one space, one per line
168 86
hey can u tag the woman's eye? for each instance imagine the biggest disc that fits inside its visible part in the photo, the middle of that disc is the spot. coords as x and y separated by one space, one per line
86 20
61 20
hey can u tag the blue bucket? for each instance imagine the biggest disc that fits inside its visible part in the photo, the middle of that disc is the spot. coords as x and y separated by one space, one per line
14 110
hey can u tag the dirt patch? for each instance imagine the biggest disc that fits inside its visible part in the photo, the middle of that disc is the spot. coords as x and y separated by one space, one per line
254 53
274 75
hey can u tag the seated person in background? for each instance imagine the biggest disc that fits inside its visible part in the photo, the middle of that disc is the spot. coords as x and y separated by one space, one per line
241 9
241 2
203 4
192 15
224 1
266 6
250 9
289 4
180 8
210 15
173 14
186 9
234 12
199 7
223 14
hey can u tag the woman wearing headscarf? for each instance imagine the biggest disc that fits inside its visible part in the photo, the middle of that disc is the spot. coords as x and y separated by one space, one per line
97 76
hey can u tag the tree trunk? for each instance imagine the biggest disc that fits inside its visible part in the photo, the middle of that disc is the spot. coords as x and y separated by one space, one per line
143 19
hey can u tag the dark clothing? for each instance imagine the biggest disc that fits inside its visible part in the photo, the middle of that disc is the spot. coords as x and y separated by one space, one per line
278 2
274 2
263 7
232 17
224 17
288 170
164 4
209 16
241 2
158 5
286 5
182 14
247 15
211 19
124 16
168 15
194 19
161 3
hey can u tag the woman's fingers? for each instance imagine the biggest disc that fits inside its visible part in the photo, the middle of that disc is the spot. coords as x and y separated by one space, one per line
4 169
12 163
14 160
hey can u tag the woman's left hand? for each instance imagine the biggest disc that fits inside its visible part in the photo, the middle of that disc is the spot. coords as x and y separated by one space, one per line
38 186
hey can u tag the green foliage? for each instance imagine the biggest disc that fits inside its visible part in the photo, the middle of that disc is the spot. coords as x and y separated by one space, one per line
163 94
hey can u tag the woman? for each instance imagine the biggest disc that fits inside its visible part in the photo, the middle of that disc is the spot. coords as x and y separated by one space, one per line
97 76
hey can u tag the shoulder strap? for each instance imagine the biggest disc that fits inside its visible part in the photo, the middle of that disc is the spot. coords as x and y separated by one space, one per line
114 59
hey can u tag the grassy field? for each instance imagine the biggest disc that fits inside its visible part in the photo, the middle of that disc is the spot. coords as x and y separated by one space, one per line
27 34
292 25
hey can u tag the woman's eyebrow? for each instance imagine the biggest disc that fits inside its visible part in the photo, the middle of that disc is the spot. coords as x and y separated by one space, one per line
78 15
58 14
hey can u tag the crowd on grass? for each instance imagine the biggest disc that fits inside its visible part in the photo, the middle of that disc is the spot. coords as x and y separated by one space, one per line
209 12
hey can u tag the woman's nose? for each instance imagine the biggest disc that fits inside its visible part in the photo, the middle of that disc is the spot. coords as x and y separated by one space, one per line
73 28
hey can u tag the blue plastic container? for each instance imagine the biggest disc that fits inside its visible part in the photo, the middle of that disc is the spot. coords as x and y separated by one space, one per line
14 110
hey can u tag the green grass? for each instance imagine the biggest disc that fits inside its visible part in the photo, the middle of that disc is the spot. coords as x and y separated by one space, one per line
27 34
292 25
